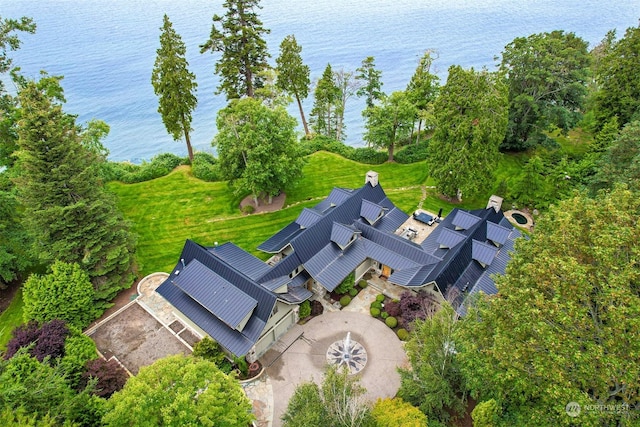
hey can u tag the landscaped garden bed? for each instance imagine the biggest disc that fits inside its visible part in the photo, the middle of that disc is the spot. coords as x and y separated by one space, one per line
400 314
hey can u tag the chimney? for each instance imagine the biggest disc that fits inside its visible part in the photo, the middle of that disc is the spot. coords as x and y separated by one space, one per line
495 202
371 178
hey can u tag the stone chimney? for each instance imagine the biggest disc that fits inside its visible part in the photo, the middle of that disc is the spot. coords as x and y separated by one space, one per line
495 202
371 178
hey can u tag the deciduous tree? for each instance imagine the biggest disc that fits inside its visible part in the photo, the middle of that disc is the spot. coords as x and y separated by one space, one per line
257 148
339 401
71 216
564 324
111 377
46 341
293 74
547 76
390 122
180 390
620 163
397 413
239 38
174 85
434 382
471 121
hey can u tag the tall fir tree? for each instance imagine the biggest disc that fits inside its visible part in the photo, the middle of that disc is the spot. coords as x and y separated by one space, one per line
422 91
293 74
471 121
327 98
239 38
71 216
371 82
174 84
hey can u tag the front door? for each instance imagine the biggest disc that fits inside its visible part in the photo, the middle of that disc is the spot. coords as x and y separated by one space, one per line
386 271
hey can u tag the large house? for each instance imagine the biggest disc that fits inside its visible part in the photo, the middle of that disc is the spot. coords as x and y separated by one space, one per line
246 304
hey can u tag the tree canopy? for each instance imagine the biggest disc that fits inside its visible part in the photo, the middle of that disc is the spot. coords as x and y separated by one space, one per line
174 84
618 81
180 390
371 82
239 37
293 74
471 121
547 76
422 91
390 122
564 324
324 115
72 218
257 148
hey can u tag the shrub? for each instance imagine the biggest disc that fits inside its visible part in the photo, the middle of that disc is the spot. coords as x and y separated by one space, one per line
347 284
376 304
416 306
375 312
345 300
316 308
412 153
248 209
363 284
368 155
167 161
393 308
305 309
79 349
391 322
111 377
210 350
403 334
380 298
47 340
205 167
353 292
241 365
384 314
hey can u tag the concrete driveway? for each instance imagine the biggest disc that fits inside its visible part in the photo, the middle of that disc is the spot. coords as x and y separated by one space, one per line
305 360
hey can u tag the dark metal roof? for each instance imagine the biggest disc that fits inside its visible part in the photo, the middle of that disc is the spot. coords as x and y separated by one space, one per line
308 217
393 219
278 241
449 238
483 252
335 198
370 211
414 276
342 234
464 220
241 260
331 265
497 233
237 342
218 296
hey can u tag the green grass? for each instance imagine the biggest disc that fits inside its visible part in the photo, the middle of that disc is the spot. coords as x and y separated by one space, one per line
168 210
576 143
10 318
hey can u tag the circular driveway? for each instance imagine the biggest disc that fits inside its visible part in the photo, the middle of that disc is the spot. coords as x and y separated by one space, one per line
306 359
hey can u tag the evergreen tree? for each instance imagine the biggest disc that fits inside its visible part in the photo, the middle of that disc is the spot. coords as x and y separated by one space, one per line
422 91
293 75
371 80
244 51
327 97
174 84
618 78
71 216
471 121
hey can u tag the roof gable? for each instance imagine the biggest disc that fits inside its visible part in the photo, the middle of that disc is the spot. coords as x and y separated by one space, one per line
497 233
464 220
449 238
483 252
343 235
308 217
370 211
218 296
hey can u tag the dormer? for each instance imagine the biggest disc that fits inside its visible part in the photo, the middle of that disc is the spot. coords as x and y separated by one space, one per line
343 235
449 238
497 234
483 252
371 212
464 220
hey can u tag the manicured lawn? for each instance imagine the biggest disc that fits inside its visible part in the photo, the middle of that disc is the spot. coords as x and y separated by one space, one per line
168 210
10 318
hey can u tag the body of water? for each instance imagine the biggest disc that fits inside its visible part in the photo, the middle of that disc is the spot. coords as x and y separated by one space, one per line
106 49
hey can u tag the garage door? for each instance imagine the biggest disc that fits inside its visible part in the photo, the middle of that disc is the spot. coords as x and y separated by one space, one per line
274 333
